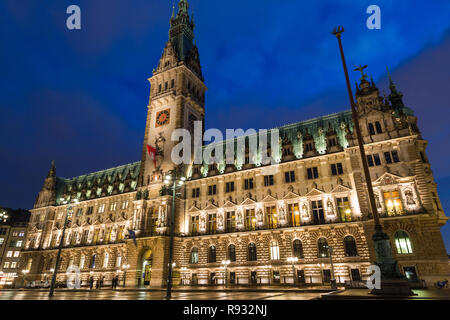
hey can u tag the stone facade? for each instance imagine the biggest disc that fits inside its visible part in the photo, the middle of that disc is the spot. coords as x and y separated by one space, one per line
257 216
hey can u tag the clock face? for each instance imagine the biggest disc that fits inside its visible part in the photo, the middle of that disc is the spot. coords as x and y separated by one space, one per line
162 118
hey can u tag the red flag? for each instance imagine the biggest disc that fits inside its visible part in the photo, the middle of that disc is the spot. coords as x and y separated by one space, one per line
152 154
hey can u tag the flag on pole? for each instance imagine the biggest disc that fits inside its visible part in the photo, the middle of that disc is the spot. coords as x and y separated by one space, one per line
132 235
152 154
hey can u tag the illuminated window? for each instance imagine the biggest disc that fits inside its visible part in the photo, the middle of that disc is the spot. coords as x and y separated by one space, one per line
393 203
2 240
297 249
82 259
231 222
194 225
294 213
92 266
344 209
250 220
350 246
232 252
6 265
252 252
274 250
19 244
101 208
13 265
322 248
194 255
402 242
16 254
271 216
9 254
211 223
212 254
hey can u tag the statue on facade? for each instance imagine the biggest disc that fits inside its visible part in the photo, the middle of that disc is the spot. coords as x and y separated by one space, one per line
162 216
220 220
202 222
409 198
259 215
330 208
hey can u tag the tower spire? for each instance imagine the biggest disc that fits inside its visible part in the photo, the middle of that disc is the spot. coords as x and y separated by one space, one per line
395 97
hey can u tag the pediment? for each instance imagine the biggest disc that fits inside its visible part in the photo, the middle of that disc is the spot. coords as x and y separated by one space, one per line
229 204
340 188
211 206
269 198
291 195
314 192
193 209
248 202
387 179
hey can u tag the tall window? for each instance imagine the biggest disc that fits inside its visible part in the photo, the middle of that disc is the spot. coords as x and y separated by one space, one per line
271 217
230 225
297 248
92 266
268 180
317 210
250 220
350 246
322 248
212 254
248 184
212 190
294 213
391 157
371 129
252 252
212 223
312 173
378 127
194 255
289 176
393 203
402 242
345 212
229 186
274 250
195 192
373 160
194 225
336 169
232 252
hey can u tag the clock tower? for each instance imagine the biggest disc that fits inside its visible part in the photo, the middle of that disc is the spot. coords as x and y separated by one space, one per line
177 97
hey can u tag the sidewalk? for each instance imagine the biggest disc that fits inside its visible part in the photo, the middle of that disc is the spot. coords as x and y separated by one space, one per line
308 289
364 294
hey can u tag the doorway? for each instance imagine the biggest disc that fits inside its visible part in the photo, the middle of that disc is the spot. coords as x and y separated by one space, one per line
146 264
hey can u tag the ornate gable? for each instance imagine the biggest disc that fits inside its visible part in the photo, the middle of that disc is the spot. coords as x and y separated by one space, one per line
248 202
229 204
340 188
314 192
269 198
291 195
193 209
211 206
387 179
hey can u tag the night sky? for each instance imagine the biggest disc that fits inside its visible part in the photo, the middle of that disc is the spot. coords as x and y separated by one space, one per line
80 97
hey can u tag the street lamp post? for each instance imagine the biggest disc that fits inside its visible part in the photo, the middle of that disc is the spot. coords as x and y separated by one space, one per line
125 268
225 264
394 281
58 256
293 260
177 177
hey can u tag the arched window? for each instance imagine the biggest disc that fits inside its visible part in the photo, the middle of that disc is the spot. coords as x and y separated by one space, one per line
252 252
402 242
274 250
232 252
119 260
92 266
212 254
378 127
194 255
322 248
297 249
350 246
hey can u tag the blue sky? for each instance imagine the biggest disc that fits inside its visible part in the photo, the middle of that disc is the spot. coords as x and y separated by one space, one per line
80 97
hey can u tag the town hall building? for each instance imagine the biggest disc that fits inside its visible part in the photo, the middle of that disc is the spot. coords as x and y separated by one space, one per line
243 223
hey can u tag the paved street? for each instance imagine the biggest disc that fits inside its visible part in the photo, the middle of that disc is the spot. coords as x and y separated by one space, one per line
153 295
